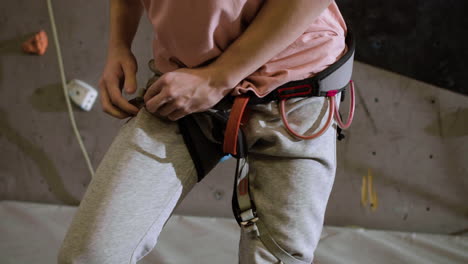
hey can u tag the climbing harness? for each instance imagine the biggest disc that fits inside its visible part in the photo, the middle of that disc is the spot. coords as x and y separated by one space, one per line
322 84
225 136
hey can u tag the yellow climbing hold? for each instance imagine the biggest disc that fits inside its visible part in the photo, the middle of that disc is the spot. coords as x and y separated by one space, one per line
368 193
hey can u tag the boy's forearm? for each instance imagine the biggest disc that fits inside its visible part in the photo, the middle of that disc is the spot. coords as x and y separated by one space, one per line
124 19
278 24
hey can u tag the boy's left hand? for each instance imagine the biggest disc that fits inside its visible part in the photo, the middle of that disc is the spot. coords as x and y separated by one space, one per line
184 91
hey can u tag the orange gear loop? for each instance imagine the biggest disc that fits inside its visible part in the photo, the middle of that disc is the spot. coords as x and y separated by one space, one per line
327 124
351 110
333 111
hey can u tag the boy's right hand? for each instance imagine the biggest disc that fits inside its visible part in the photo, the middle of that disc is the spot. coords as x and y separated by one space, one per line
119 73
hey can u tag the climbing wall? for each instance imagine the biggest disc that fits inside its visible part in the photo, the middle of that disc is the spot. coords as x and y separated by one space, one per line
41 159
422 39
410 136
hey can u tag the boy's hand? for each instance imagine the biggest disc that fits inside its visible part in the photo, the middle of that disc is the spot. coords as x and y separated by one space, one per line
185 91
119 73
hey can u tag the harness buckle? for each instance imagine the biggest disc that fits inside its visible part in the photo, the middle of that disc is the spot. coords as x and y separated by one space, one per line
249 219
250 226
249 222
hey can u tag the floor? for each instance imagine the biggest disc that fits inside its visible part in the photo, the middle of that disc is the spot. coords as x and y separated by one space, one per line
32 233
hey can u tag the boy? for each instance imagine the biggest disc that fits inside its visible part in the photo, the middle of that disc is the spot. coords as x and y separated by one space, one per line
204 51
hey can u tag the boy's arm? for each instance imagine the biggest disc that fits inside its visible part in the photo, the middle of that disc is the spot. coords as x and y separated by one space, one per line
278 24
124 19
121 65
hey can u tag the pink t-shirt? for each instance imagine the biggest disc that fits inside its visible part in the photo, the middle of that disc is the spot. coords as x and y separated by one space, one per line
190 33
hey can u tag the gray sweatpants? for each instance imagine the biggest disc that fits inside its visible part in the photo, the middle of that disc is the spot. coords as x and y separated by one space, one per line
147 171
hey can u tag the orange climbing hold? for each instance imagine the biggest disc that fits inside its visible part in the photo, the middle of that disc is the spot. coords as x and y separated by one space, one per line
37 44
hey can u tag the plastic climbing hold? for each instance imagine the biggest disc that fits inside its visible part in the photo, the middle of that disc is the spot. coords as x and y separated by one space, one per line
37 44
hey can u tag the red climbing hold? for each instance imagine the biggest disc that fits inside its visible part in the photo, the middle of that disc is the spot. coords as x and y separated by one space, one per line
37 44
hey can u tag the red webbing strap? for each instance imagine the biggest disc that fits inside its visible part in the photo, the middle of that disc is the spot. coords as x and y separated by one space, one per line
233 125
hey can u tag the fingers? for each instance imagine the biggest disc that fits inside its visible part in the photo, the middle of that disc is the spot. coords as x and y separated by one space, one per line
116 98
153 90
107 107
156 102
130 84
166 106
170 107
174 116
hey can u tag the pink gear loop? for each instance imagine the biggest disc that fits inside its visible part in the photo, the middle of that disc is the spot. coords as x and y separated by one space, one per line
333 112
331 103
351 110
